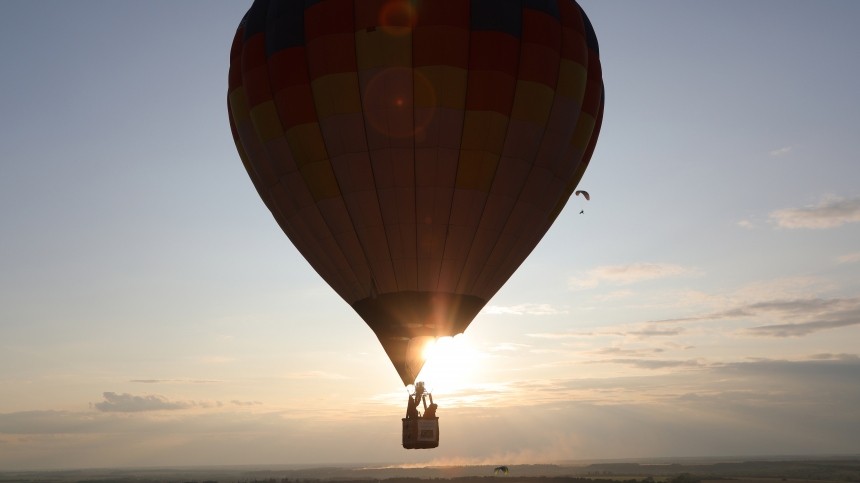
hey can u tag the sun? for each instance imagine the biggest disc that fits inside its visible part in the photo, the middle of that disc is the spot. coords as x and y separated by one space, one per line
451 364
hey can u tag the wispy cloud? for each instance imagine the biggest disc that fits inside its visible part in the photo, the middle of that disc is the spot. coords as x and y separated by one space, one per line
175 381
619 351
508 347
626 274
216 360
524 309
776 403
835 357
652 330
128 403
803 328
653 363
559 335
801 317
829 213
786 317
236 402
639 331
781 151
849 258
748 224
315 375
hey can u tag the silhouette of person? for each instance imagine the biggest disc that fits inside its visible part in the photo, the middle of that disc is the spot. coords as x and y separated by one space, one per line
412 407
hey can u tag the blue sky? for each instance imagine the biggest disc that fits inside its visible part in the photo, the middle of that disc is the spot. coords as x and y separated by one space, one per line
707 303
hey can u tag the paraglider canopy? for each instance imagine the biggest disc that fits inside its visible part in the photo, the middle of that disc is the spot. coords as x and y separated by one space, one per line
500 470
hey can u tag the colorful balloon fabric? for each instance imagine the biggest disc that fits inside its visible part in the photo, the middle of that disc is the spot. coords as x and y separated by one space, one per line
415 152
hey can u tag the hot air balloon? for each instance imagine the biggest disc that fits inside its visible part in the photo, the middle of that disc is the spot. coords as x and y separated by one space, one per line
415 152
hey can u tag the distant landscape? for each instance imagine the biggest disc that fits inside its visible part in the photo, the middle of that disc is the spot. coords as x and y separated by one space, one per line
679 470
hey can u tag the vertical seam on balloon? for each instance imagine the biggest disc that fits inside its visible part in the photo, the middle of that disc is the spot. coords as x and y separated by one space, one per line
370 162
501 153
504 261
325 147
370 266
279 216
533 160
413 18
544 227
275 205
280 122
459 150
277 212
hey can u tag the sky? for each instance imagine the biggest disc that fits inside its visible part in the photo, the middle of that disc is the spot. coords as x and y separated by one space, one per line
706 303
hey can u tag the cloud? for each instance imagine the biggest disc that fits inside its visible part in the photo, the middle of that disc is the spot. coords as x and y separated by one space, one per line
835 357
626 274
315 375
814 314
654 331
524 309
50 422
789 317
215 359
650 329
801 329
781 151
618 351
829 213
75 439
652 363
769 405
849 258
175 381
809 373
790 308
665 381
508 347
559 335
236 402
128 403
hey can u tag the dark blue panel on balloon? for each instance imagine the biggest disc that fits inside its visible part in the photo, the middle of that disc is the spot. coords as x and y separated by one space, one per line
549 7
255 19
286 25
499 15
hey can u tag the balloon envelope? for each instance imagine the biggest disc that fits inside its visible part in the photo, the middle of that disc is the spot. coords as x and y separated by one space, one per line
415 152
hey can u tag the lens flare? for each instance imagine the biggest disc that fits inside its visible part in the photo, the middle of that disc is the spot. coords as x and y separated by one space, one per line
396 15
451 364
388 96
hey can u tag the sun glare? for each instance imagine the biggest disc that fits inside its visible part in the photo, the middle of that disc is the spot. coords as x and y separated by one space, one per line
451 364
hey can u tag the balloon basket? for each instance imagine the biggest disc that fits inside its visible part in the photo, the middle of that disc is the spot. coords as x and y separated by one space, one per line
420 433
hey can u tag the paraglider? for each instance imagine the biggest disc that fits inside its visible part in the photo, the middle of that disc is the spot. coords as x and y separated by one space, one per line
584 195
500 470
415 153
